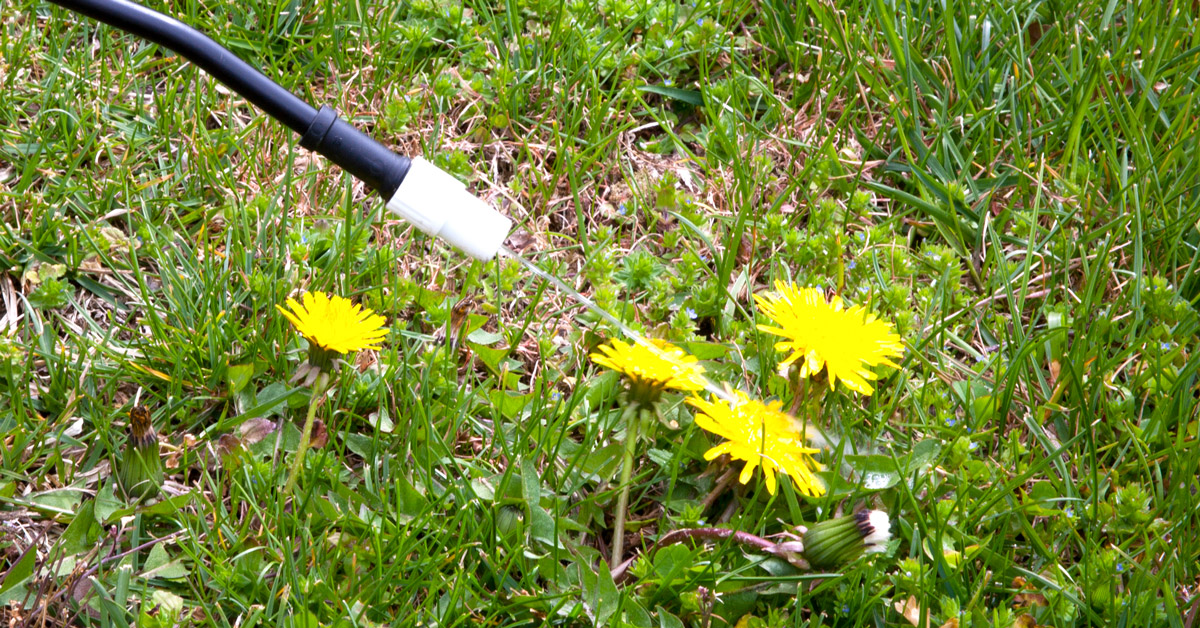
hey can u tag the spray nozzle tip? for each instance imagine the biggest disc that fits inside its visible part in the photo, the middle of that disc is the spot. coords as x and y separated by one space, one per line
440 205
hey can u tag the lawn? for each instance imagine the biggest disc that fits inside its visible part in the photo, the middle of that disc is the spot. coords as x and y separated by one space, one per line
1011 188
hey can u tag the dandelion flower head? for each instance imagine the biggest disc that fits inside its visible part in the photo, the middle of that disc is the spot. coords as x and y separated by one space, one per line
761 435
846 342
651 367
334 323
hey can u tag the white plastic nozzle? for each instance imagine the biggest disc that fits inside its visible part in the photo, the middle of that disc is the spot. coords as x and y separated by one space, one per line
440 205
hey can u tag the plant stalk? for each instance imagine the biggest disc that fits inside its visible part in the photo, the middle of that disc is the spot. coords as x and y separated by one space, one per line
318 395
633 421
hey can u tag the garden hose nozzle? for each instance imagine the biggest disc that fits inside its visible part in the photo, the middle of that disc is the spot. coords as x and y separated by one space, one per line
440 205
433 200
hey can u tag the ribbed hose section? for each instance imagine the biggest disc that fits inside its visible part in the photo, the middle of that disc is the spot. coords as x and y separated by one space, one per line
323 131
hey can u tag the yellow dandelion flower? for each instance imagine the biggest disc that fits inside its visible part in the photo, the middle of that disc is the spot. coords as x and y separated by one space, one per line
845 341
761 435
334 323
651 368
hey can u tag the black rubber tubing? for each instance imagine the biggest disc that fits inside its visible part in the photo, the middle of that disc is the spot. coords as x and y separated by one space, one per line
321 130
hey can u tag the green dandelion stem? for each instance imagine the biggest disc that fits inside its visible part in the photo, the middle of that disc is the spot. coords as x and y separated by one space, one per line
318 394
632 418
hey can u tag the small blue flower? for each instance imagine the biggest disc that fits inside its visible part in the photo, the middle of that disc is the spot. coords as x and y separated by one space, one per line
1166 346
969 430
974 446
700 22
845 609
670 43
691 313
621 209
851 264
1120 567
668 82
951 421
1069 512
556 395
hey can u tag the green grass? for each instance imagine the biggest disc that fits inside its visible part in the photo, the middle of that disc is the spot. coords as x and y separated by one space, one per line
1014 185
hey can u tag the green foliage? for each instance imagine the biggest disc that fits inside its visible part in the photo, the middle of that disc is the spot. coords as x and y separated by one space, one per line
50 293
1012 186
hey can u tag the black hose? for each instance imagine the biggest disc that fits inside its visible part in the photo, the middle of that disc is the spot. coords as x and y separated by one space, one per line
322 131
222 64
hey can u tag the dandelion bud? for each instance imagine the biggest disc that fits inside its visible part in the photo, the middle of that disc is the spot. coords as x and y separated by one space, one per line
140 470
834 543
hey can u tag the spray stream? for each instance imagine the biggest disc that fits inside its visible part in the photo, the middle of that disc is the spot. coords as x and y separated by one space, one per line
818 437
628 331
